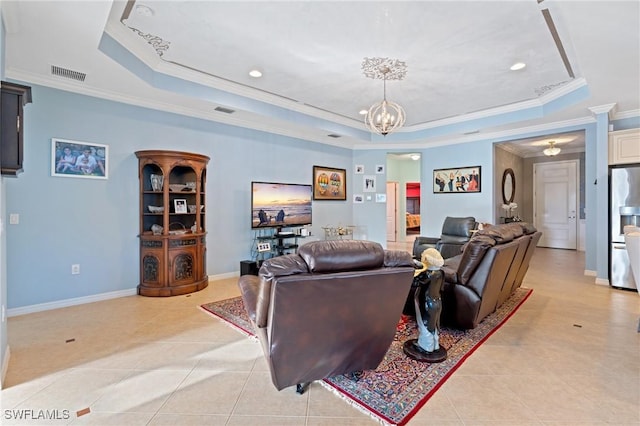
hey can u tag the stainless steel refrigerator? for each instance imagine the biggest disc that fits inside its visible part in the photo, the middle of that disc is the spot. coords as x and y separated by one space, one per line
624 203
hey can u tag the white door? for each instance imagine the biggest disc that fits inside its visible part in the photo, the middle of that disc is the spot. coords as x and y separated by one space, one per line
555 203
392 209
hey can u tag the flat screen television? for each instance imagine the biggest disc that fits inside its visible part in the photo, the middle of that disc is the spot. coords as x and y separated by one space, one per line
280 205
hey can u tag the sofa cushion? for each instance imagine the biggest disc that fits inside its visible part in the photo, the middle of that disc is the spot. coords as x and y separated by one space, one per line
342 255
500 234
472 256
396 258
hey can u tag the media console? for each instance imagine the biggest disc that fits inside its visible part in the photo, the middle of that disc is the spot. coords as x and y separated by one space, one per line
268 243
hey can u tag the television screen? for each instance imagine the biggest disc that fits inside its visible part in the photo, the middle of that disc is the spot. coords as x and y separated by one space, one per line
280 204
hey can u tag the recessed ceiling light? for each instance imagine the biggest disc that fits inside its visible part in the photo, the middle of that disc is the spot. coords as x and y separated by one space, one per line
415 157
363 112
518 66
143 10
255 73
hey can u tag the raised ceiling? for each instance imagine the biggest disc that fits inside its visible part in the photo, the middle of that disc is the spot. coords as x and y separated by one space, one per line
193 58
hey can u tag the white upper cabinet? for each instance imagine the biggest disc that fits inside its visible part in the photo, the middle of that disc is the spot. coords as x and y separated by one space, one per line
624 146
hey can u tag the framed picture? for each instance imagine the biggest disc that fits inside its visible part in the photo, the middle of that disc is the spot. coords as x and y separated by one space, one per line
380 169
369 183
329 183
456 181
180 205
79 159
358 198
359 170
381 198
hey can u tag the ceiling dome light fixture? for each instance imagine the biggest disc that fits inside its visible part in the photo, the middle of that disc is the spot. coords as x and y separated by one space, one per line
552 150
385 116
415 157
518 66
255 73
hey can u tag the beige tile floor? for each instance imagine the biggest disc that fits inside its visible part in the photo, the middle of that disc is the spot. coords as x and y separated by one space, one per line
569 356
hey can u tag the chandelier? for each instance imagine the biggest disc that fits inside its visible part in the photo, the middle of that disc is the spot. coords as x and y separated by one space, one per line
385 116
552 150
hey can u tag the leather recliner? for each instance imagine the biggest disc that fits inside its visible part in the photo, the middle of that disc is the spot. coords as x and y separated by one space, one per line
456 231
330 309
491 267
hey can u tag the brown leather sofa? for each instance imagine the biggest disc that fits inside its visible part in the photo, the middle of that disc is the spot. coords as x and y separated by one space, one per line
490 268
330 309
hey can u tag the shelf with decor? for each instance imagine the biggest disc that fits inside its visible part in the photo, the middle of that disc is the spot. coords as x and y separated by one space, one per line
172 222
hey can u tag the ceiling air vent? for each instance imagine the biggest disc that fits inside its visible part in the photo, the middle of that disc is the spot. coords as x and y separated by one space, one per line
67 73
225 110
333 135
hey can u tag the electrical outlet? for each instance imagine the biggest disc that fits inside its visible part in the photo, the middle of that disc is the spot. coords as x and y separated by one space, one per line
75 269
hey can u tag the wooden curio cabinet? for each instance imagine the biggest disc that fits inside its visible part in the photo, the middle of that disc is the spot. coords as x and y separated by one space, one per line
172 222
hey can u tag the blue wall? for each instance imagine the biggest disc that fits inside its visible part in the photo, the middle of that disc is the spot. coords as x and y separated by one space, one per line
94 223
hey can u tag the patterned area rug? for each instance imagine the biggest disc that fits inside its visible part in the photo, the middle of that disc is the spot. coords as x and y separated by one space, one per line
400 386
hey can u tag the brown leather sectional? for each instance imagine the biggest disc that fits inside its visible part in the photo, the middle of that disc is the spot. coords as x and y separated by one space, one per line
490 268
330 309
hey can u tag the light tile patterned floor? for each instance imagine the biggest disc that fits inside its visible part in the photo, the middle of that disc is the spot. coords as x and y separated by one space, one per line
569 356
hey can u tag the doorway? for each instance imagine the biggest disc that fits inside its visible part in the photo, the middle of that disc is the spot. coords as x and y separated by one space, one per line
555 203
412 207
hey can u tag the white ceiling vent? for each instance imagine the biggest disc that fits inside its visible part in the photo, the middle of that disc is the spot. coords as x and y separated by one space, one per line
67 73
333 135
225 110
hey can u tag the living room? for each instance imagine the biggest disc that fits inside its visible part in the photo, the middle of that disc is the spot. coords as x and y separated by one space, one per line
95 223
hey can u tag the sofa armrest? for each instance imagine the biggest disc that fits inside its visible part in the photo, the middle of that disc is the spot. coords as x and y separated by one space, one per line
420 244
450 249
249 288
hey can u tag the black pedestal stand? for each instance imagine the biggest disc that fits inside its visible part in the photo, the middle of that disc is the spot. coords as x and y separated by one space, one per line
429 282
413 351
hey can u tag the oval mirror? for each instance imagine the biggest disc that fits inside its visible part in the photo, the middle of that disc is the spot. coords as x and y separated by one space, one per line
508 186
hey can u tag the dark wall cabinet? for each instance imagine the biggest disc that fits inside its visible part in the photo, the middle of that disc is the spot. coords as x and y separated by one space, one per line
13 99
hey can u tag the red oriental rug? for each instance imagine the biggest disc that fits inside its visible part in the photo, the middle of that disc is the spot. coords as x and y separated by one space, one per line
400 386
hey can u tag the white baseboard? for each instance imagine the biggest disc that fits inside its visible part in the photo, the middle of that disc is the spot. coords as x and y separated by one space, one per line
5 366
94 298
224 276
70 302
602 281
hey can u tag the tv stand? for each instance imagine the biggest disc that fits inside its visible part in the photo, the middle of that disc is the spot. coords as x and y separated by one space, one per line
272 242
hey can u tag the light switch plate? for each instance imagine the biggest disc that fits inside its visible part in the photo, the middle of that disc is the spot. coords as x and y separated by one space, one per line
14 219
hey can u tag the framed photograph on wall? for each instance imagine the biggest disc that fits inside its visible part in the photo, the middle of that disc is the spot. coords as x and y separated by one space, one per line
369 183
359 169
458 180
79 159
379 169
329 183
358 198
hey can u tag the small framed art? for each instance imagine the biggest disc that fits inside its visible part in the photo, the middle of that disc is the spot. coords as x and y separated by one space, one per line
180 205
369 183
